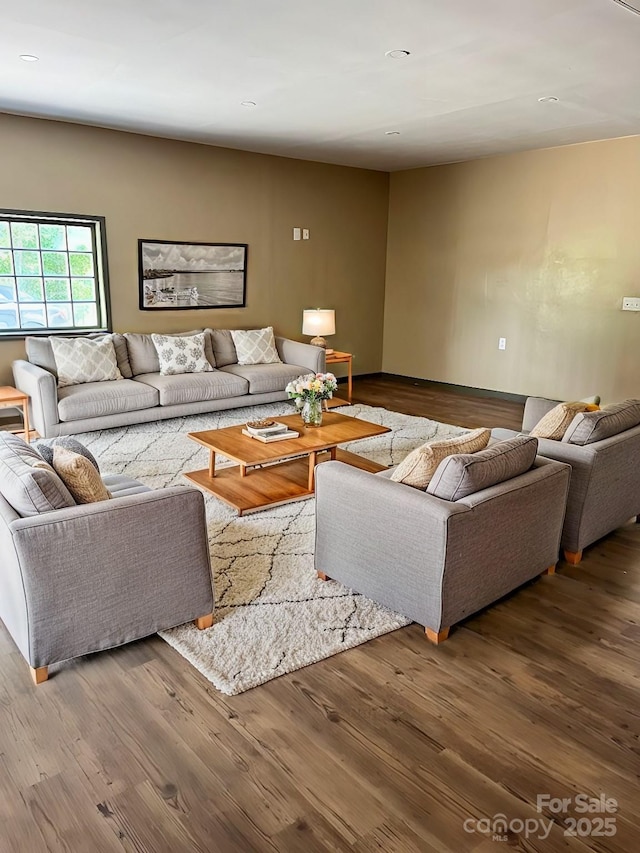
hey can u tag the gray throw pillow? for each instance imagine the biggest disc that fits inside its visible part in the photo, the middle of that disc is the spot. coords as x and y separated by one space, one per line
45 449
590 427
223 347
466 473
27 483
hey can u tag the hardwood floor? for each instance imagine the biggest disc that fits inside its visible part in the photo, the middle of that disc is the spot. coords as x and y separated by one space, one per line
438 402
390 746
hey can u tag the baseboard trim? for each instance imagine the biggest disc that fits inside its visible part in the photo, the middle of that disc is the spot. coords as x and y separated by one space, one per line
445 386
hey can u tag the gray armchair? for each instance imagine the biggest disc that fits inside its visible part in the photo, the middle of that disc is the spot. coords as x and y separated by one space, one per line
604 491
93 576
433 560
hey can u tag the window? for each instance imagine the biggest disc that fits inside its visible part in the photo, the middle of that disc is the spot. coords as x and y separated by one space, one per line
53 273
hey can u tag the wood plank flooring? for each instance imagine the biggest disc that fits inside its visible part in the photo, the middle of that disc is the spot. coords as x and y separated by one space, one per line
390 746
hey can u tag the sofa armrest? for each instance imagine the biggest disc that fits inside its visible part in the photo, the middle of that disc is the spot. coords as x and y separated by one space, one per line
511 535
383 539
295 352
42 388
604 489
102 574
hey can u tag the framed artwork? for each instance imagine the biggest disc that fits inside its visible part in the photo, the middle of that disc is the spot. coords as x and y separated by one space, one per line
177 275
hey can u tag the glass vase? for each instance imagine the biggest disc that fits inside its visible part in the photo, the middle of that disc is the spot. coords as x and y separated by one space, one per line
312 413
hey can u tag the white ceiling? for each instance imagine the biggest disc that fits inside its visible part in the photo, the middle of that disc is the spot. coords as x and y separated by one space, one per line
318 73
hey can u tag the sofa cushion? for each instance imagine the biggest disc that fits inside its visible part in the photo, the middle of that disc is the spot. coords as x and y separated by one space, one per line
420 465
80 360
554 424
224 349
463 474
194 387
595 426
79 476
45 449
122 486
27 482
265 378
255 346
143 355
181 354
40 352
95 399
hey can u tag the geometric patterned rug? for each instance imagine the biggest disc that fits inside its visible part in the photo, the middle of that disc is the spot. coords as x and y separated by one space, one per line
272 614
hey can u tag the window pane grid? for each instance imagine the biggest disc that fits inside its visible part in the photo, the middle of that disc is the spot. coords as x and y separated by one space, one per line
49 274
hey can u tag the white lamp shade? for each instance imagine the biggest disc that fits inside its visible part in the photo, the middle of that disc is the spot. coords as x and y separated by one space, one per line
319 321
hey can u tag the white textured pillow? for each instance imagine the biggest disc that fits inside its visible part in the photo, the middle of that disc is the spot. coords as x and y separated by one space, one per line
181 354
80 360
257 346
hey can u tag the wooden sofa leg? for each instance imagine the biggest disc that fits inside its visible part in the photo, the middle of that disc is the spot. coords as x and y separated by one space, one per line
437 636
203 622
573 557
323 577
39 674
550 571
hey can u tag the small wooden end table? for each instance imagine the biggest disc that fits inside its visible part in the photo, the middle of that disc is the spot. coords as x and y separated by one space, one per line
12 398
337 357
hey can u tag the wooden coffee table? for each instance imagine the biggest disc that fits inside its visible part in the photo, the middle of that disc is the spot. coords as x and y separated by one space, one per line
281 471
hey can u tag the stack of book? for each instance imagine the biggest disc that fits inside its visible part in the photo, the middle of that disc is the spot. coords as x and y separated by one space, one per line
267 431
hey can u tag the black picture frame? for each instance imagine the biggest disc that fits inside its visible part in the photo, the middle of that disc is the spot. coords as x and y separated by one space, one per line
176 275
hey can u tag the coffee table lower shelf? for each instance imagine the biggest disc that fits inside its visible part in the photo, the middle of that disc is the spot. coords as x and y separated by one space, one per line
274 484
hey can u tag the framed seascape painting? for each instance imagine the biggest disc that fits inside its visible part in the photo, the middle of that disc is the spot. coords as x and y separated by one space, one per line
191 275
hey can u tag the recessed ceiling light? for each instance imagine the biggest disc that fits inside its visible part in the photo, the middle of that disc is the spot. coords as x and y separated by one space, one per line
397 54
392 133
548 99
248 104
29 57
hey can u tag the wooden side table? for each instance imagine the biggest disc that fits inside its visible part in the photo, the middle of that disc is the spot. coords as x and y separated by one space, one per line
337 357
12 398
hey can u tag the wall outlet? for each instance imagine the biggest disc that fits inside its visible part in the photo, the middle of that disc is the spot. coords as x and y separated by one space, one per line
296 233
305 233
631 303
502 343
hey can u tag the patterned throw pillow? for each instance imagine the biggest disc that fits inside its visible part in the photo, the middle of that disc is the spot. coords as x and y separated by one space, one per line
257 346
181 354
79 476
420 465
80 360
555 423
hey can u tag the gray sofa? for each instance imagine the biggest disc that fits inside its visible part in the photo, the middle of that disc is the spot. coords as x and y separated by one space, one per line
605 481
144 395
437 561
81 578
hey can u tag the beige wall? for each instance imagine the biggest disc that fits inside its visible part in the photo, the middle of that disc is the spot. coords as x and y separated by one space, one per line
160 189
539 248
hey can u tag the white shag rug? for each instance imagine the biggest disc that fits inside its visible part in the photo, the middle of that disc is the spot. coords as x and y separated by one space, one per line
272 614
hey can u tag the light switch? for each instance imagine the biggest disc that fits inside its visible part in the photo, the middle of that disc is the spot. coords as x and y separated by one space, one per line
305 233
296 233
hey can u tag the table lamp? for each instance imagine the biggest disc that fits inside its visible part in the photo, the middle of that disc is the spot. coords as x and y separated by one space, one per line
319 322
